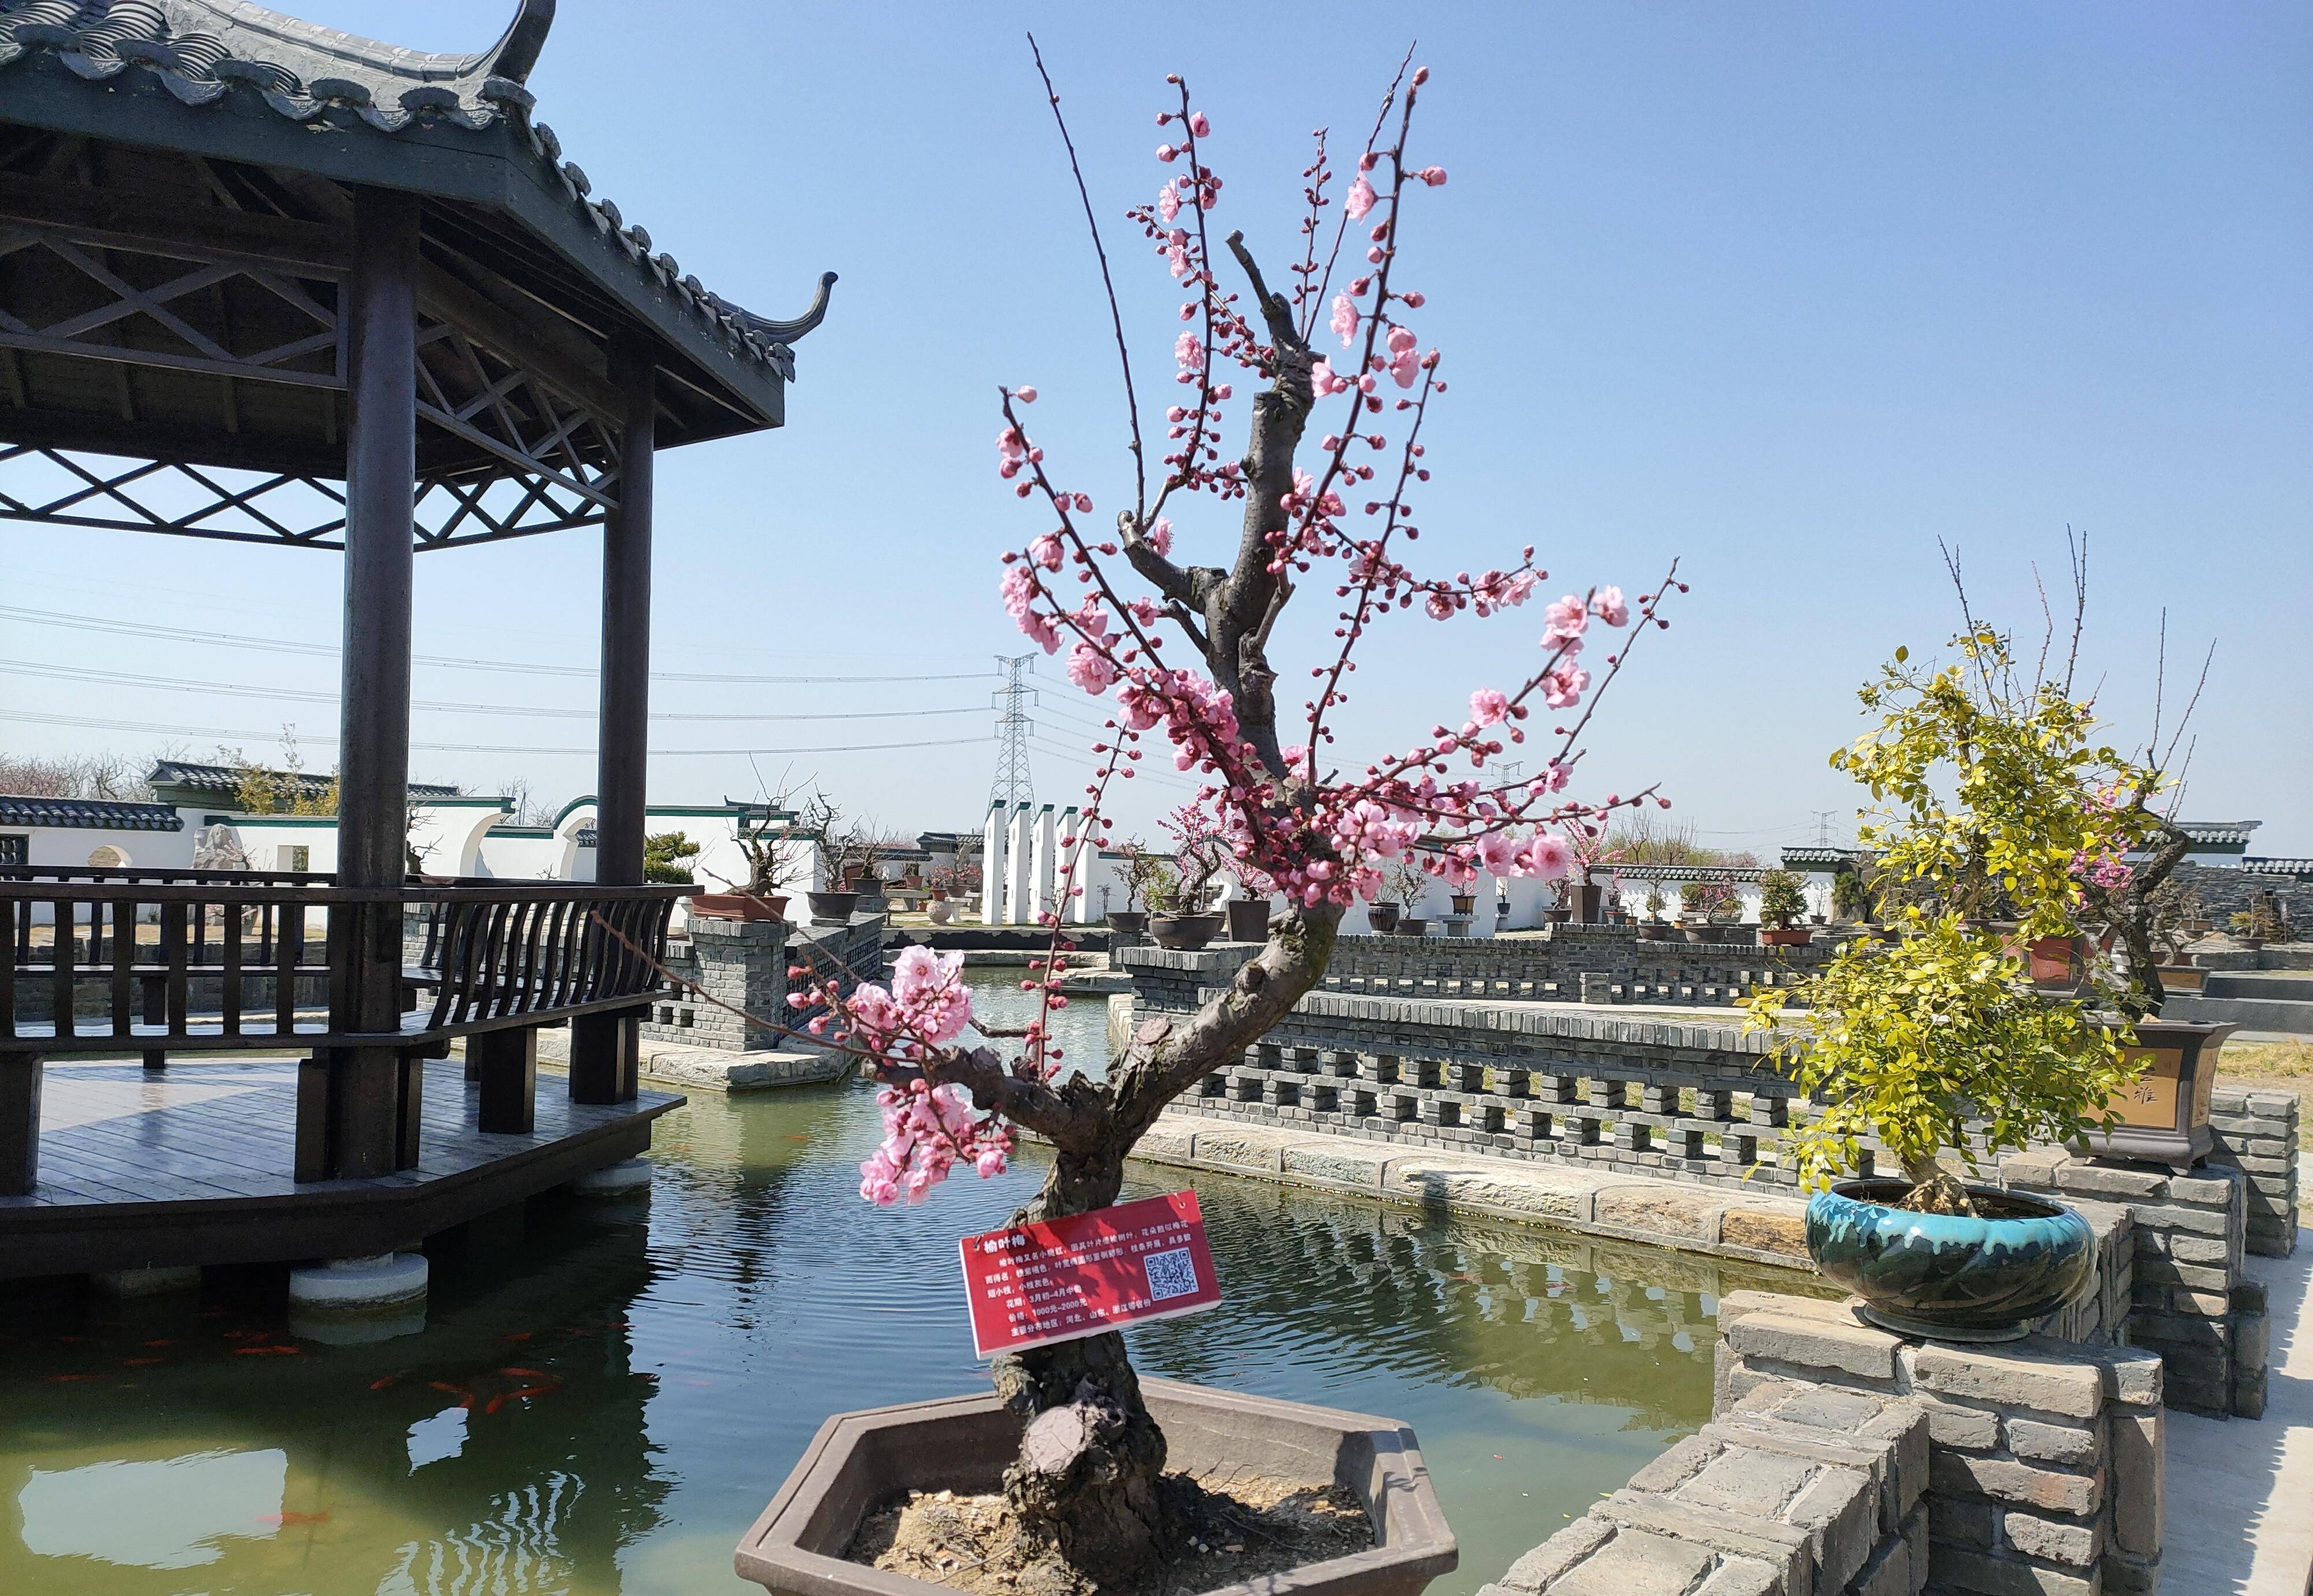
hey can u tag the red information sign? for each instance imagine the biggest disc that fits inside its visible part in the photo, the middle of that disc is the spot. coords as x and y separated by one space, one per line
1091 1272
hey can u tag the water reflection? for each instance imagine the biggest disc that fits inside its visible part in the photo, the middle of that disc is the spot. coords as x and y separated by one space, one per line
608 1393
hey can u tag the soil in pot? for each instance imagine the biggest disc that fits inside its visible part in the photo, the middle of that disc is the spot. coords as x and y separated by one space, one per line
1251 1529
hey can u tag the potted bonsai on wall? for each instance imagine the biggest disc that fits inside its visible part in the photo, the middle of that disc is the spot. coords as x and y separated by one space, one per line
1076 1444
1181 920
1144 875
1408 885
1920 1042
1782 899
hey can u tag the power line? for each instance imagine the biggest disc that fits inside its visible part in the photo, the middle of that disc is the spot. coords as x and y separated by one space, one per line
173 730
1015 782
224 639
20 667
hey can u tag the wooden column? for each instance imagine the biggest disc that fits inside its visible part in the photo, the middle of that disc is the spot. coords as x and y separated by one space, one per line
20 1122
367 1096
505 1065
604 1048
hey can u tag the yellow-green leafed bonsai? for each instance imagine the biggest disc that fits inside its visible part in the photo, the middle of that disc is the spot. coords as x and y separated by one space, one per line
1992 799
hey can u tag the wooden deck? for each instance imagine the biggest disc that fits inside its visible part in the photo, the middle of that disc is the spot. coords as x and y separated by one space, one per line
194 1165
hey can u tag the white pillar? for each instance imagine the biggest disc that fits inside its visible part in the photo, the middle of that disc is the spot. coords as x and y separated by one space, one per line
1043 863
1074 885
1016 842
992 866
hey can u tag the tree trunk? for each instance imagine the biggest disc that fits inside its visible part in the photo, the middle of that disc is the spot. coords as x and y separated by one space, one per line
1089 1481
1934 1188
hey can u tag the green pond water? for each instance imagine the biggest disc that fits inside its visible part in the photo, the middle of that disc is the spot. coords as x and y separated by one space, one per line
608 1391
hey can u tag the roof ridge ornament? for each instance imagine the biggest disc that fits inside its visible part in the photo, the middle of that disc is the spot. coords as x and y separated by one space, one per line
780 333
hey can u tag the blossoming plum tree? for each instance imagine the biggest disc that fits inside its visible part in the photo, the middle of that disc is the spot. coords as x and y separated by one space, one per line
1181 650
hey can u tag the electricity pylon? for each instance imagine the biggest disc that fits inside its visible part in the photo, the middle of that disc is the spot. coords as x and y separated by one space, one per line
1015 783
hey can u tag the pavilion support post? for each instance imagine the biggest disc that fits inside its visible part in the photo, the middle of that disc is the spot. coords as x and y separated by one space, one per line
604 1048
366 1100
505 1065
20 1123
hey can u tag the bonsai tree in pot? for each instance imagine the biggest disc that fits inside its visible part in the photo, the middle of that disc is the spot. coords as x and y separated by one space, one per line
1920 1043
1145 876
1197 855
1407 884
1181 652
1782 899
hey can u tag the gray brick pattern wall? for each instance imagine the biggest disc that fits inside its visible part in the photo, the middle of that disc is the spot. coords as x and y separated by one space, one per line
745 964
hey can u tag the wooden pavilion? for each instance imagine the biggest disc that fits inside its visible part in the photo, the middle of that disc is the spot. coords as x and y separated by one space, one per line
264 281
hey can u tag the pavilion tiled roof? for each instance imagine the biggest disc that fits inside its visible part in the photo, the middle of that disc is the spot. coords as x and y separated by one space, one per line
224 781
88 813
207 52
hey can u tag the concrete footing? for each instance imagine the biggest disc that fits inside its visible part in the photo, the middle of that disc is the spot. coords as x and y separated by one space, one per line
147 1282
352 1301
634 1174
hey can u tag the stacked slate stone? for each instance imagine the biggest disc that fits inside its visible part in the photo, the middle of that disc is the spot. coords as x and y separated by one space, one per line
2046 1457
1794 1491
2190 1300
2256 1132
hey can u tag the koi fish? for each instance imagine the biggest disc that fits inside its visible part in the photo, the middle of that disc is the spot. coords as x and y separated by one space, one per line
60 1379
140 1363
524 1373
379 1385
517 1336
287 1518
267 1351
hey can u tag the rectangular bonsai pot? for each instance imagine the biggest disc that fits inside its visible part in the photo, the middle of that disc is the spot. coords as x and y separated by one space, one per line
859 1460
2164 1115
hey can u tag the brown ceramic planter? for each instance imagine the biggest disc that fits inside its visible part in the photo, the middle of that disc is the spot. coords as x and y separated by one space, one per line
1784 936
1129 922
2164 1115
735 906
1383 918
859 1460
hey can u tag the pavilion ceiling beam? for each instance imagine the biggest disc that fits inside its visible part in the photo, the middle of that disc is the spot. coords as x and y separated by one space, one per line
127 221
550 354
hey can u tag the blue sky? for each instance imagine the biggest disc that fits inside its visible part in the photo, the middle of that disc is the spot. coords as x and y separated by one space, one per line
1787 291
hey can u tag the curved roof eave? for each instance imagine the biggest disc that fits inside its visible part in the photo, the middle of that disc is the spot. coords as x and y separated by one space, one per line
233 81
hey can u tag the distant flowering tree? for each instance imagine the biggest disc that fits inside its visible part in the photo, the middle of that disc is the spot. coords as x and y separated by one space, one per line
1181 652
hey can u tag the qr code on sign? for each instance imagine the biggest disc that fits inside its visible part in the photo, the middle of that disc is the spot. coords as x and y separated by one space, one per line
1170 1273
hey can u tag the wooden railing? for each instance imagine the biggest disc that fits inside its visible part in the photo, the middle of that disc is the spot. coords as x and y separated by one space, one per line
229 958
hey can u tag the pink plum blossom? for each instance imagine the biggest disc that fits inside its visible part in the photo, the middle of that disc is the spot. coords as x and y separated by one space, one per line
1091 669
1608 606
1345 319
1189 350
1360 198
1489 706
1160 536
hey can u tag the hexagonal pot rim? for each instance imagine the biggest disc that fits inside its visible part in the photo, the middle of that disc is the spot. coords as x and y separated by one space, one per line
1419 1545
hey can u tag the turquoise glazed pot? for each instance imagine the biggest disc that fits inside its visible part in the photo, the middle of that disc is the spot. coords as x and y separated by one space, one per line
1948 1276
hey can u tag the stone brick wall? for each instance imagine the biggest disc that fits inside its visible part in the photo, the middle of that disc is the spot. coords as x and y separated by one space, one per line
743 964
2225 893
2256 1132
1609 961
1842 1460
